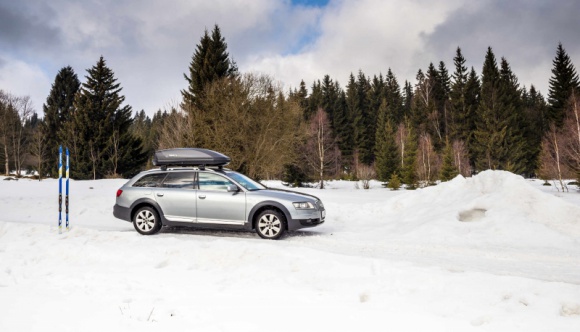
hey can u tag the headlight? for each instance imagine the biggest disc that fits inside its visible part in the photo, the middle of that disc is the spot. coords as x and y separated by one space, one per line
303 205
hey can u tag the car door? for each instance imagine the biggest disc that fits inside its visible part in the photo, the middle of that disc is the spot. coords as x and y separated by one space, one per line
177 197
215 205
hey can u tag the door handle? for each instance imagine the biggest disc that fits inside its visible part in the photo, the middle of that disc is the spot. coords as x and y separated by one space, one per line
202 196
160 194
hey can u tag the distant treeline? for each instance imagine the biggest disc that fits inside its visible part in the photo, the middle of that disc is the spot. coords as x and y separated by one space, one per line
443 124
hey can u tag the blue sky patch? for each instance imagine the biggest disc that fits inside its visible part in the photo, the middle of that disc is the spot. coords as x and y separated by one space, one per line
310 3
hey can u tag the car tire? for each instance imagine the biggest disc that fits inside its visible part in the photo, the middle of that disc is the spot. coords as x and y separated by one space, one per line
271 224
146 221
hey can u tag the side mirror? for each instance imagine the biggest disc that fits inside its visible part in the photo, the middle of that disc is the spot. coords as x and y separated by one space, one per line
233 188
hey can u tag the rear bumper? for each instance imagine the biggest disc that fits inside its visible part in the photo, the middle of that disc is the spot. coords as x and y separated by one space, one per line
122 212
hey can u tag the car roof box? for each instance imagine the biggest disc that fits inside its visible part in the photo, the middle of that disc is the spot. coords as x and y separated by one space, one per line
189 157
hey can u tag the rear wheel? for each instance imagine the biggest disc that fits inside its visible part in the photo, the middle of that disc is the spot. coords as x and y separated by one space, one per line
271 224
146 221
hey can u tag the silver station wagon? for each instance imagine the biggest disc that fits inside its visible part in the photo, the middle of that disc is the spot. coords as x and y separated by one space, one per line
192 188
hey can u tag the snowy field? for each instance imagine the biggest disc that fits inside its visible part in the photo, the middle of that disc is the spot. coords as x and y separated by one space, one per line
490 253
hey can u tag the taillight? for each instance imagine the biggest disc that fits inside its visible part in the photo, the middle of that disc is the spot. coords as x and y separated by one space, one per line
119 192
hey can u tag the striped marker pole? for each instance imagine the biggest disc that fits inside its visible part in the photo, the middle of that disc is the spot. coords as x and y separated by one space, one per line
60 189
66 192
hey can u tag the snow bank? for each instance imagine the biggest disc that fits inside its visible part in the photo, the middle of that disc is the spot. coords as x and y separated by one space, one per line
495 222
497 205
493 252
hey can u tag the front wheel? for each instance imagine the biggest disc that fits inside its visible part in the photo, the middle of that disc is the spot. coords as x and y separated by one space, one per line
271 225
146 221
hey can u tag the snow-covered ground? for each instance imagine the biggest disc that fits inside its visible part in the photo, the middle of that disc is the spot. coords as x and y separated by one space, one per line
490 253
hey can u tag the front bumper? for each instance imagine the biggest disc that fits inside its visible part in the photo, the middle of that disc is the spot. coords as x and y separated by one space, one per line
304 220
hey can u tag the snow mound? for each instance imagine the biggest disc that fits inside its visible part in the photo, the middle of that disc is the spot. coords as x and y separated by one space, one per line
496 205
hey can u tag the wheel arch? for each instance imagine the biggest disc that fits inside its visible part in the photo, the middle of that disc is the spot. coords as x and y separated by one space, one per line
147 202
266 205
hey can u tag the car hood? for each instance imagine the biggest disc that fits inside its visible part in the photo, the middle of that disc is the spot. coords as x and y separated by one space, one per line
285 195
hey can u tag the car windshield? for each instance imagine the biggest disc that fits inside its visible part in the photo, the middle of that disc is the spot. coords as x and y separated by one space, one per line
245 181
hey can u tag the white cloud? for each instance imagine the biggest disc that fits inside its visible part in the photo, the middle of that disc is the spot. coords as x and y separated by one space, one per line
149 44
370 35
21 79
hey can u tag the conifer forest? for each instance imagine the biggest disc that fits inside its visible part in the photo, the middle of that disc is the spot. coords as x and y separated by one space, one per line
450 120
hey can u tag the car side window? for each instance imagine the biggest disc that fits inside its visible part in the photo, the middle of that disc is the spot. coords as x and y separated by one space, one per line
181 180
213 182
150 180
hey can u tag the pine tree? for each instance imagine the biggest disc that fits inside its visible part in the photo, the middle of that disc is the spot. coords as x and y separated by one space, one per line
363 118
472 98
409 171
314 100
220 65
329 90
423 111
407 102
563 81
209 62
512 111
443 89
435 104
535 108
57 112
499 137
448 170
394 99
344 132
491 130
376 95
460 118
102 144
394 182
141 127
387 155
302 95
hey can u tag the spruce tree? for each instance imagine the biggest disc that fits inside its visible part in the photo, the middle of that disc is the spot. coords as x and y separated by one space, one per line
314 100
499 137
102 144
377 93
409 171
394 182
344 132
512 111
459 124
472 98
443 89
209 62
141 127
407 102
57 113
424 108
535 109
434 102
302 95
394 99
448 169
329 90
563 81
363 118
387 154
490 131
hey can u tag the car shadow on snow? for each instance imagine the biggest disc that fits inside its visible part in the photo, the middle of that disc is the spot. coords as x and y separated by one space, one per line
232 233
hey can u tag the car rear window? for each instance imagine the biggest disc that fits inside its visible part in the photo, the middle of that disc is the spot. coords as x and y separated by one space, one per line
182 180
150 180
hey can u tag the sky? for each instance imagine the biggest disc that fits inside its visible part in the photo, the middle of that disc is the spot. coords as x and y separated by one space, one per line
149 43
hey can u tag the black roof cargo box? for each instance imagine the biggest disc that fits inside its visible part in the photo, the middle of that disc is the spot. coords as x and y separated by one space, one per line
189 157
